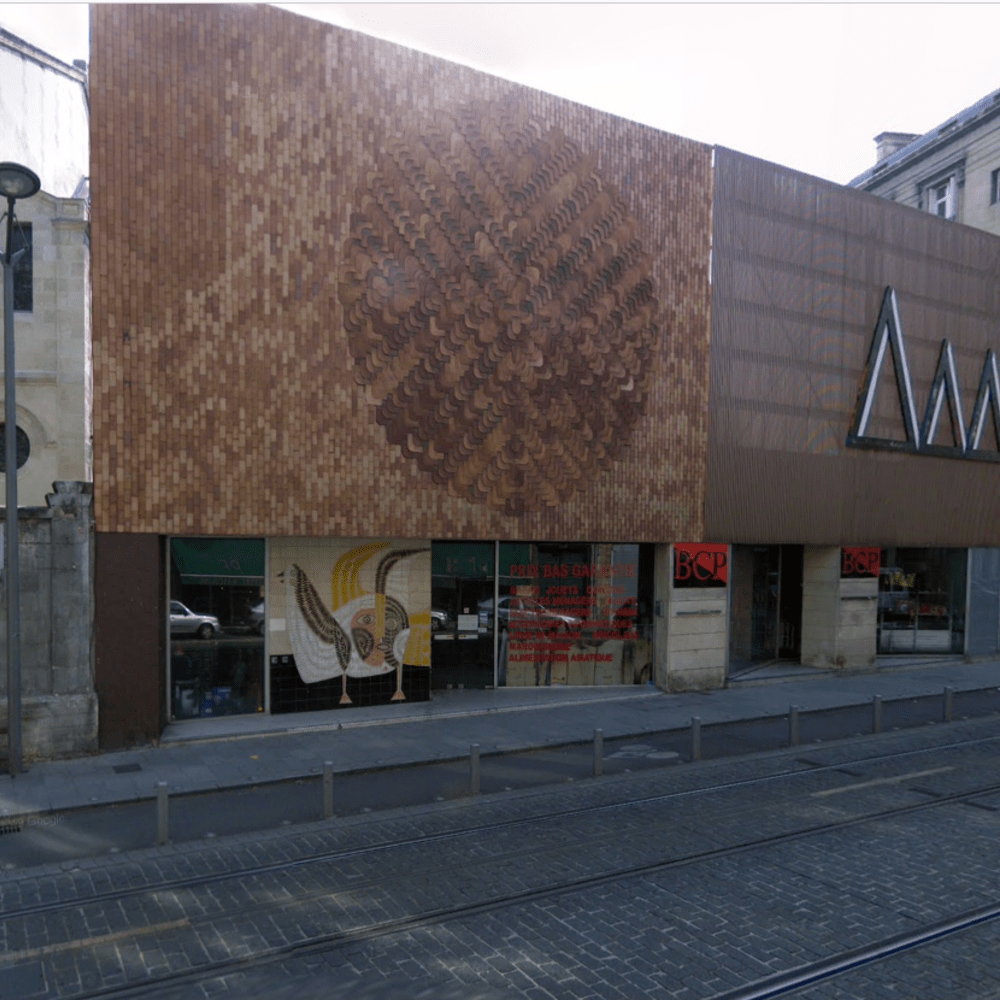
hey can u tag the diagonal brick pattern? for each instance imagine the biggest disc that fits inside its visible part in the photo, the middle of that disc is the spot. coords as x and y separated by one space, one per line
249 377
499 304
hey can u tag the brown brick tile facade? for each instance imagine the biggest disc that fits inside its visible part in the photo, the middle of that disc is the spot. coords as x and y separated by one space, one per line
343 288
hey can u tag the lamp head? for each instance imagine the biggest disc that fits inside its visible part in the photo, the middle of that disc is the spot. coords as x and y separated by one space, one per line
17 181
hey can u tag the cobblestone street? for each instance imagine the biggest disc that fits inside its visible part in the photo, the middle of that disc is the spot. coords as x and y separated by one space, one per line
689 882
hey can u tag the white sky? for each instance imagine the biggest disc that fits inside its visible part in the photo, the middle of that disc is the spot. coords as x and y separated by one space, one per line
805 85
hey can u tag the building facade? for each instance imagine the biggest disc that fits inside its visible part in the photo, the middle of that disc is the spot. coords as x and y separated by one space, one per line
44 122
952 171
52 343
410 377
44 118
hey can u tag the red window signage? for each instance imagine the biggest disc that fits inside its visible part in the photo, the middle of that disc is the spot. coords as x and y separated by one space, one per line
701 565
860 562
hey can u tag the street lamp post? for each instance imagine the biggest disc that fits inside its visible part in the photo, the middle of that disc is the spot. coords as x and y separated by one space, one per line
15 182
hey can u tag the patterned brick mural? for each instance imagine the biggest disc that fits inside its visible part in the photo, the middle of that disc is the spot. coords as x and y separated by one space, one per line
343 288
500 305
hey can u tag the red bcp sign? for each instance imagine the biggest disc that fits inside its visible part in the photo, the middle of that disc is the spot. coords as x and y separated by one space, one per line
701 565
860 562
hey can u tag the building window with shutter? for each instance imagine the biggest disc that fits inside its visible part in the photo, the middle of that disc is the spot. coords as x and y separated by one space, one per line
23 295
995 186
941 198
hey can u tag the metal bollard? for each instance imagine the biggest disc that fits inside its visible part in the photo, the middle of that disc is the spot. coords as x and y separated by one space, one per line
949 695
695 738
474 768
598 753
793 725
162 817
327 789
876 713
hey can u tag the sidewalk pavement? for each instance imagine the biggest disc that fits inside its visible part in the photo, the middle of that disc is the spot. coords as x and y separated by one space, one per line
230 752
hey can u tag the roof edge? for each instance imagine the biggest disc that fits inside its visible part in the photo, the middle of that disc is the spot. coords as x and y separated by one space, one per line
11 41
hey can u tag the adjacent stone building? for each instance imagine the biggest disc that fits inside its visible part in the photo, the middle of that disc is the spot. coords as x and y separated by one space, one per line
952 171
44 121
44 124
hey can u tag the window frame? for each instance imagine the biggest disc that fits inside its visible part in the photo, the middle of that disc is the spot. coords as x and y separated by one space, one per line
951 178
941 193
24 290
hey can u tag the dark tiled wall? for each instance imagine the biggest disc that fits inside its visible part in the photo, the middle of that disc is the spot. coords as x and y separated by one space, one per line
129 627
982 628
290 694
343 288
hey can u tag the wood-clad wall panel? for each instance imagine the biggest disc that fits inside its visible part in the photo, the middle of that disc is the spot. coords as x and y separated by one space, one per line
344 288
800 267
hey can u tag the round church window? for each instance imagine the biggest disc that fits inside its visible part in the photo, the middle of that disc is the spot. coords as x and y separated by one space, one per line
23 449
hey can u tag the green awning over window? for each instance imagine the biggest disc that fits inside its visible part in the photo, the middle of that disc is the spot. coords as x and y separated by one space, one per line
475 560
465 560
236 562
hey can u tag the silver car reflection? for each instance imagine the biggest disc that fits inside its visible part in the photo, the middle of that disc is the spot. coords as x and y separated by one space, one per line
183 621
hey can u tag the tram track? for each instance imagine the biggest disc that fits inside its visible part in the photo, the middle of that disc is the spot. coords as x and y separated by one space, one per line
787 983
780 984
339 938
793 981
485 829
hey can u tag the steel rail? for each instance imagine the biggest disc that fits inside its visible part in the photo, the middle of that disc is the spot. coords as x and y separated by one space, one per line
334 856
773 986
826 969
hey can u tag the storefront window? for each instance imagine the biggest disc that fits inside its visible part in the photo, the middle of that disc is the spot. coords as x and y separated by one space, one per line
573 614
216 620
921 600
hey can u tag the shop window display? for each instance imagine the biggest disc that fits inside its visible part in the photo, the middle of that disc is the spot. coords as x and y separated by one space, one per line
349 622
921 600
462 590
216 625
572 614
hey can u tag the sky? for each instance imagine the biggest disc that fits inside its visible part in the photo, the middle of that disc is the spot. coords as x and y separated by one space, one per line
804 85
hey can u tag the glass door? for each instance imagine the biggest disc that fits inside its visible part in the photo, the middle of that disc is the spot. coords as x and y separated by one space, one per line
462 619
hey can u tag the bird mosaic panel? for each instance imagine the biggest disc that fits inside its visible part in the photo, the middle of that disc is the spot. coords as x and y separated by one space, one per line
350 610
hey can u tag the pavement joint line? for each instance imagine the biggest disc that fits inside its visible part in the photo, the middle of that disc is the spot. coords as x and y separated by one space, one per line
890 780
12 957
390 721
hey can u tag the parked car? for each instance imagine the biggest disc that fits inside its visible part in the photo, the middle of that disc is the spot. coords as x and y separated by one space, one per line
523 612
440 620
183 621
255 619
